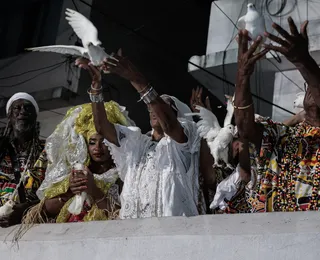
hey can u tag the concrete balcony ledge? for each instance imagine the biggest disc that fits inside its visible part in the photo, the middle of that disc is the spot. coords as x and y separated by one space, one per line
243 236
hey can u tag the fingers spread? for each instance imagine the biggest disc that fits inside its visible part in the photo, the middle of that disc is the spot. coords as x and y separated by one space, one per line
260 55
277 39
274 48
282 32
303 29
254 46
292 26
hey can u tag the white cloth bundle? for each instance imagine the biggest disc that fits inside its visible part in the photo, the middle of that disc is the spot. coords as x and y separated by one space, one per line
226 190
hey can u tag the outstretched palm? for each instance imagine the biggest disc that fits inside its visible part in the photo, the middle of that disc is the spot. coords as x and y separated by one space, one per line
294 46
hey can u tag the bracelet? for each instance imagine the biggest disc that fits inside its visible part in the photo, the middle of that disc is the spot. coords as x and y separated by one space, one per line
149 96
152 96
241 108
95 98
145 94
141 91
100 200
99 89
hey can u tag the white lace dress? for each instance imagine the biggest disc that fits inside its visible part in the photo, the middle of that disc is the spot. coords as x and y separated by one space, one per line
160 178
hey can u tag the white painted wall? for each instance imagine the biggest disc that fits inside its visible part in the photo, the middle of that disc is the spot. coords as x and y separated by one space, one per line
224 237
221 30
285 92
267 82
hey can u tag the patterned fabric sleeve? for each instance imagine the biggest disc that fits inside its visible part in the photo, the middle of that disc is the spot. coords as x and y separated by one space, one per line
272 134
35 177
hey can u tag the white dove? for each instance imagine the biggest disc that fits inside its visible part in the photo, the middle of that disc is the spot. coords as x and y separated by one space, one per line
88 34
218 138
298 102
253 22
7 208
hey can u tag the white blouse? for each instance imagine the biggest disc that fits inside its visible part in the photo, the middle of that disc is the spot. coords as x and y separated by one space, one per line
160 178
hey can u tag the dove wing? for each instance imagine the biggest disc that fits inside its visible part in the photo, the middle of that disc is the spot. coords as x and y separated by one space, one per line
63 49
83 27
229 115
226 141
241 22
208 123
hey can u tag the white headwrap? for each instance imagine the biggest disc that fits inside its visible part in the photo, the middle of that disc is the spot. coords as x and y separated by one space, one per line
181 107
25 96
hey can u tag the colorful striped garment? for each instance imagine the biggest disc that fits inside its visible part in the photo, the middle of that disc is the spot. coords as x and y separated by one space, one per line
286 173
35 174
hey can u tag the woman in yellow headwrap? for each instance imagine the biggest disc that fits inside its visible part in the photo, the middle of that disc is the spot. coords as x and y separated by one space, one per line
75 141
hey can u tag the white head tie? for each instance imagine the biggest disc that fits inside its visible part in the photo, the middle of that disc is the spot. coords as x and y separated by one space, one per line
22 95
181 107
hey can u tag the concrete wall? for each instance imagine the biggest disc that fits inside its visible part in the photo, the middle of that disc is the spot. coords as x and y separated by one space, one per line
267 81
223 237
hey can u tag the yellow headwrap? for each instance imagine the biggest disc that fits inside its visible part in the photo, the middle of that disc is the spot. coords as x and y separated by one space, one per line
84 124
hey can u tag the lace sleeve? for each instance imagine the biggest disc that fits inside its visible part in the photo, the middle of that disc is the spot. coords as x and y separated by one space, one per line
190 130
129 151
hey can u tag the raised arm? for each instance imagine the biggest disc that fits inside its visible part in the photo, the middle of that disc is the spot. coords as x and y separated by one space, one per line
295 119
243 103
102 124
163 112
295 47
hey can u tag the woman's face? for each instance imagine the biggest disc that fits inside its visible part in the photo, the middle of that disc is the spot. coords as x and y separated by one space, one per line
97 150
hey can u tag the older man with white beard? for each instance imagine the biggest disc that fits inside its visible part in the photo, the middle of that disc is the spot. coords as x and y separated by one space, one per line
22 163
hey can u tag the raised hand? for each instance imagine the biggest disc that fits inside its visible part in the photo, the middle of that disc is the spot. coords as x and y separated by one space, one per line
123 67
196 100
294 45
93 71
246 57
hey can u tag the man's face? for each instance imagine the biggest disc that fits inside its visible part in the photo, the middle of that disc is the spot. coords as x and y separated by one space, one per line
22 115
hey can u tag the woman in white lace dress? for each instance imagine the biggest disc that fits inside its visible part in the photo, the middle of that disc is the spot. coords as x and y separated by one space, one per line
160 172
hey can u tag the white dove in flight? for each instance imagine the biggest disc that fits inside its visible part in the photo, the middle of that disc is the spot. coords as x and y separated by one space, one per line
253 22
88 34
218 138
